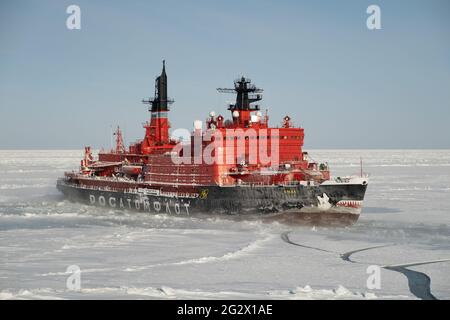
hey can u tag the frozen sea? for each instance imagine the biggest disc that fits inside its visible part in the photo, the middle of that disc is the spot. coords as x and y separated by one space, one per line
404 231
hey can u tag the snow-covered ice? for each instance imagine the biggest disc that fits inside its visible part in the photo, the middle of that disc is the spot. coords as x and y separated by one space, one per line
406 219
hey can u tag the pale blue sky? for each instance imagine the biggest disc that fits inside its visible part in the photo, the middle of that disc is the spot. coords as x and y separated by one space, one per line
349 87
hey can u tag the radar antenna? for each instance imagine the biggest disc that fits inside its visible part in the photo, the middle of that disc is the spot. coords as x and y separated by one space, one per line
246 94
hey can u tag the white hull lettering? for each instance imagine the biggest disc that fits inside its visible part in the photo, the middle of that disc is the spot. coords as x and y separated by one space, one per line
143 204
112 202
186 206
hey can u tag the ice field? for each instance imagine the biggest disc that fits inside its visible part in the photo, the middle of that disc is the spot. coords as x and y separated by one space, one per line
405 225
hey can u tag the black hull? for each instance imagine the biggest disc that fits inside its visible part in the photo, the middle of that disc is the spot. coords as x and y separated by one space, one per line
334 204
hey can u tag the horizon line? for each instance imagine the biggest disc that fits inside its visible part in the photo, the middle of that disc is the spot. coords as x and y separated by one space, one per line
341 149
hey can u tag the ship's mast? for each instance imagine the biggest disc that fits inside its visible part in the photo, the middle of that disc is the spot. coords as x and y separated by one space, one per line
160 101
157 130
246 94
120 148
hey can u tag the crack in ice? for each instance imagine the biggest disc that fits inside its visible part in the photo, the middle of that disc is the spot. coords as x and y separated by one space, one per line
419 283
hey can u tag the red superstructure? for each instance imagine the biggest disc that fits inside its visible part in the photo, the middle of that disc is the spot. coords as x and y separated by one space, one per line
236 146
